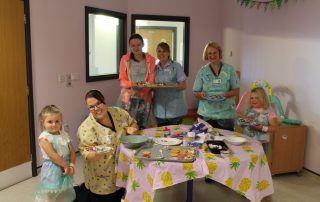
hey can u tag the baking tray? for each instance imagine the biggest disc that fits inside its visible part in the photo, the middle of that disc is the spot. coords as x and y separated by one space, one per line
166 153
157 85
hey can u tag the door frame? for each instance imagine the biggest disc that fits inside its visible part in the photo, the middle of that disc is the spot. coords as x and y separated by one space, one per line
30 88
174 39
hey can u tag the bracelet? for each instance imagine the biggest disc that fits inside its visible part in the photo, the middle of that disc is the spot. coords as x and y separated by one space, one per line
71 165
265 128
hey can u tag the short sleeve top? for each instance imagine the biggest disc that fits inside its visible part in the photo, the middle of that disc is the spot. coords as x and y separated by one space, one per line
213 84
59 142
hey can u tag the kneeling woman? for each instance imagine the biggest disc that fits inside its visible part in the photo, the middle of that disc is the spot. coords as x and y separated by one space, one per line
103 127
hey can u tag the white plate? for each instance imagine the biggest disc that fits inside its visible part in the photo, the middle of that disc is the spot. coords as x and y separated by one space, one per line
167 141
219 138
215 98
236 140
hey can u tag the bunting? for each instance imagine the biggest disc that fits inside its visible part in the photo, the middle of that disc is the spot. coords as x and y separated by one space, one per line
265 4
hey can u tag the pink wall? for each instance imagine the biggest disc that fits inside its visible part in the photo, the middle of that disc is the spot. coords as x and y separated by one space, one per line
57 40
58 47
282 47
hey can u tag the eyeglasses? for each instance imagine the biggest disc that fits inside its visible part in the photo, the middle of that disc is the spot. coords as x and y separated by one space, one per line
96 106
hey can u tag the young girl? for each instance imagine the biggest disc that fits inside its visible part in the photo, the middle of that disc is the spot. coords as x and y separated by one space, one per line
266 118
59 159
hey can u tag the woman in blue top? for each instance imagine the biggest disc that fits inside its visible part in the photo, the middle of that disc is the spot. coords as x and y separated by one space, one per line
169 104
216 78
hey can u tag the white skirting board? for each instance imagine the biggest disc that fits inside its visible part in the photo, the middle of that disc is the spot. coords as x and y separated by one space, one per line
14 175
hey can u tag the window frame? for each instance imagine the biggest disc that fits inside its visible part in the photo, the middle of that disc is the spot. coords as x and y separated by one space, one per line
121 47
186 34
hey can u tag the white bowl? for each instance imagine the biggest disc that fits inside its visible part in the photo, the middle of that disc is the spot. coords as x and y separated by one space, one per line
236 140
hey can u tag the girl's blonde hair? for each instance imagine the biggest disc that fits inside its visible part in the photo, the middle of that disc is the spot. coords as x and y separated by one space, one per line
49 109
212 45
262 96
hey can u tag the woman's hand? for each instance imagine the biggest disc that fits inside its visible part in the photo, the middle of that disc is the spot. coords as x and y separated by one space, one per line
94 156
133 84
200 95
182 85
132 130
227 94
231 93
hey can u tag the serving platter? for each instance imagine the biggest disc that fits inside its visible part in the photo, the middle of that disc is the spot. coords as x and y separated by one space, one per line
156 152
101 148
215 98
236 140
166 141
156 85
247 121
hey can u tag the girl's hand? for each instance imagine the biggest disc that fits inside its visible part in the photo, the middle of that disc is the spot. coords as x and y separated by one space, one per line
66 171
240 114
71 173
94 156
258 127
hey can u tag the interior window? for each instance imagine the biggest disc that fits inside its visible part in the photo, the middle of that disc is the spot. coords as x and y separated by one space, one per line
173 30
105 37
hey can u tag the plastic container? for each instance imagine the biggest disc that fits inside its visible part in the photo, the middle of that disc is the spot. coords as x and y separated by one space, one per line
191 136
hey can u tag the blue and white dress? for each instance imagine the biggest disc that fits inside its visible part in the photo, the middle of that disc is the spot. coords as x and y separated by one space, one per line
262 116
54 186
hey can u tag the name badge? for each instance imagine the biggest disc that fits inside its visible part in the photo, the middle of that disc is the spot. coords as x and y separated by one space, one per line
168 71
216 81
108 139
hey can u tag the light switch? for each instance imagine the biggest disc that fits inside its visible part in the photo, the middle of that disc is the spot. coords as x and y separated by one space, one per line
75 76
61 78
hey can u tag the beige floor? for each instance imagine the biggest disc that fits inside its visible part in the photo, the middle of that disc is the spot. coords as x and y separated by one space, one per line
288 188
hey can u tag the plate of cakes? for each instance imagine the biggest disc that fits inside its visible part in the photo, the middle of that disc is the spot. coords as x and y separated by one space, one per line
215 98
143 84
167 141
158 152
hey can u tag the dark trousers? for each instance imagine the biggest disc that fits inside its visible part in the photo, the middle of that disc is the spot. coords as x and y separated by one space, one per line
114 197
167 122
227 124
85 195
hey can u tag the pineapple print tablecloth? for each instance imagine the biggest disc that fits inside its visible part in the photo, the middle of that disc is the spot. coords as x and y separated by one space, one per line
246 171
